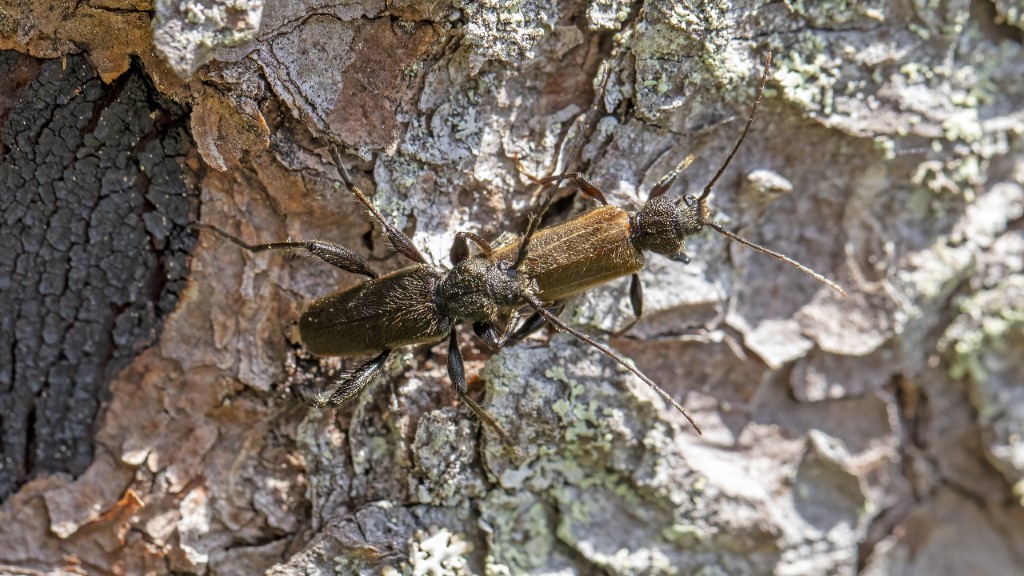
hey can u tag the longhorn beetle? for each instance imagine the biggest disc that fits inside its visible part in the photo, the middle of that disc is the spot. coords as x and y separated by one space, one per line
414 305
418 304
609 242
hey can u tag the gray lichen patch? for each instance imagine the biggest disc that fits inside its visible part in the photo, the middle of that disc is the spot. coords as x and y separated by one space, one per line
456 167
606 471
983 344
879 84
504 31
685 62
841 14
615 478
445 449
187 33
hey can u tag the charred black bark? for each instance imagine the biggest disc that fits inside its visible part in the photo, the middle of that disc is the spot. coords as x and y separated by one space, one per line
93 249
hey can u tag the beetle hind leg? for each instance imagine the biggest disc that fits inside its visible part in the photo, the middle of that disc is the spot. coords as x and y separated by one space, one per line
348 387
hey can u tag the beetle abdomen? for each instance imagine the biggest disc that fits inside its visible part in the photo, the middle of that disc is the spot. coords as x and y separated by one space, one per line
398 309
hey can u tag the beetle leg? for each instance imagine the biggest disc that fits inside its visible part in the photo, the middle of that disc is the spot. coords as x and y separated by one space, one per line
457 373
489 334
666 181
636 300
341 257
351 386
532 323
460 249
396 237
334 254
582 182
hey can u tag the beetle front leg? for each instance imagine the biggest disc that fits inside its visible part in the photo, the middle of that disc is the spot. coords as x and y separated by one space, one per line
666 181
460 248
681 257
532 323
457 373
496 338
489 334
583 184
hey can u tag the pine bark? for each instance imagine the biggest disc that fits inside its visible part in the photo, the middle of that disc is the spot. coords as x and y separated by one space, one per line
148 368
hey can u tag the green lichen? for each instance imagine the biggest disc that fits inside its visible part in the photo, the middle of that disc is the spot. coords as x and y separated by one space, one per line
808 74
952 175
523 517
504 31
708 21
942 18
608 14
982 346
686 535
885 146
1009 12
440 553
986 320
839 14
969 137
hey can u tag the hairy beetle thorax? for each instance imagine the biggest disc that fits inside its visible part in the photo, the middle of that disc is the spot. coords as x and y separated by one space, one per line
477 288
663 224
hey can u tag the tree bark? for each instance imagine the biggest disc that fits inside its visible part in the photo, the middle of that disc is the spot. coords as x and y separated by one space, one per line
149 417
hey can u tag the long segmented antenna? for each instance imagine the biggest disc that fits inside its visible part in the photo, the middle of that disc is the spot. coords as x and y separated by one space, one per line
743 136
538 306
534 223
721 229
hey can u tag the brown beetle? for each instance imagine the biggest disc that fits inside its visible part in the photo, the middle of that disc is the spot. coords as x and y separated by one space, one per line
415 305
609 242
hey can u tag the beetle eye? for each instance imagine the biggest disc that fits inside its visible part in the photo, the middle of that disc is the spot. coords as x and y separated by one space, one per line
691 200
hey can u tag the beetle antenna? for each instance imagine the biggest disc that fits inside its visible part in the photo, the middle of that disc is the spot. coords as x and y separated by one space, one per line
538 306
707 190
743 136
721 230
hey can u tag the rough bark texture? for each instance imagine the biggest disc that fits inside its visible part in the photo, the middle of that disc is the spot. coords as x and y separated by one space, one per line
95 250
878 433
